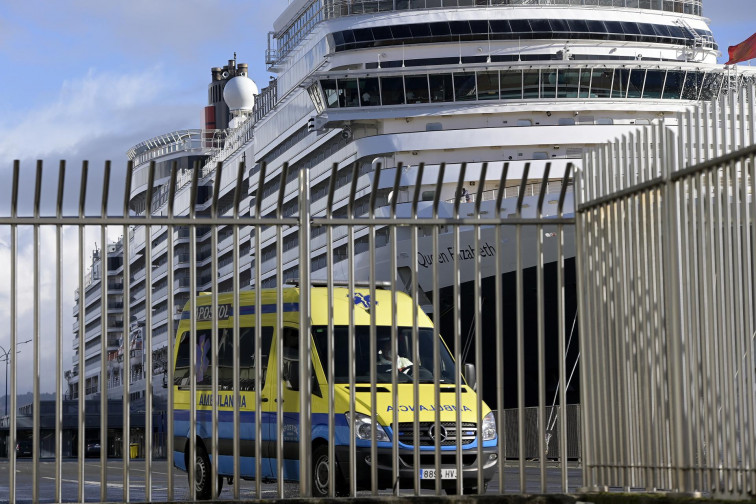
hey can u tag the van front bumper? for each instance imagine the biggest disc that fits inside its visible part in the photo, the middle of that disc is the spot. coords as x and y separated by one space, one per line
408 473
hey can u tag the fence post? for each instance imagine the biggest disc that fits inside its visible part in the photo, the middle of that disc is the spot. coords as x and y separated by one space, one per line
305 367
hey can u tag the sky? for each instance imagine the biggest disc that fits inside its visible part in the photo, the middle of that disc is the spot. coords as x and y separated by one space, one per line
87 80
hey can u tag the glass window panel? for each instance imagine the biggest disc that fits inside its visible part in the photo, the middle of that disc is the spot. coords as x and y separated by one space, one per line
382 33
530 84
585 83
559 26
596 26
442 89
676 32
548 83
464 87
645 29
480 27
673 85
348 36
568 83
416 88
661 30
392 90
692 86
711 86
540 25
348 95
500 26
364 35
338 39
601 83
511 85
420 30
460 27
635 84
370 95
440 29
488 85
578 25
613 27
619 84
401 31
654 84
330 93
520 25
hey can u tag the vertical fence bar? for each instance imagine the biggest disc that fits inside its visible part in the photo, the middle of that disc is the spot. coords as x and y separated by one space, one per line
13 336
36 339
103 383
82 333
59 336
236 337
258 332
305 340
126 383
147 335
170 445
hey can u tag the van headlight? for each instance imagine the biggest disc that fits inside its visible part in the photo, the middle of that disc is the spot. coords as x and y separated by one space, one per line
489 427
362 427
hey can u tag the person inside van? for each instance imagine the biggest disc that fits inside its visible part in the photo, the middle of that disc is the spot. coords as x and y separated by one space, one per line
384 356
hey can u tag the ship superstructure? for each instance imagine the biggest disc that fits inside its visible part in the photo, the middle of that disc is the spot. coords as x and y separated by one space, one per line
399 83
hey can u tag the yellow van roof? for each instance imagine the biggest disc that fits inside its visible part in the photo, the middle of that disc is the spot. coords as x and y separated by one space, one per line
360 301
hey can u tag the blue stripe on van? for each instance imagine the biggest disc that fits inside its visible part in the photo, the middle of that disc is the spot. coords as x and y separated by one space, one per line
250 309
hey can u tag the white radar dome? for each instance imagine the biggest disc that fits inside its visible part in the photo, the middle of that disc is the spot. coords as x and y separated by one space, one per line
239 93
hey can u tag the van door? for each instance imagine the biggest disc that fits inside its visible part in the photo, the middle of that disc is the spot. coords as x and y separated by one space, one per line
290 436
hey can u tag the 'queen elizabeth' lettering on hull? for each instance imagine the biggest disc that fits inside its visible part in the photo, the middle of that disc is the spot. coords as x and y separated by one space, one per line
447 256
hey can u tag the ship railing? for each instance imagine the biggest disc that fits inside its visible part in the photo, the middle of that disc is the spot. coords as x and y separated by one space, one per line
341 8
533 189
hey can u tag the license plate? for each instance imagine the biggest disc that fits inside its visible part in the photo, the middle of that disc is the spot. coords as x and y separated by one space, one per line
431 474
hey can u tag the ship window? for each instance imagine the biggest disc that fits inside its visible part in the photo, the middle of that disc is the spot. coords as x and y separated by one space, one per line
643 28
524 122
427 195
601 83
401 32
676 32
711 86
559 27
459 27
578 26
673 85
566 121
464 87
500 26
382 33
597 27
614 27
440 29
661 30
369 92
441 88
693 83
635 84
604 120
420 30
619 85
548 83
416 88
488 85
479 27
511 85
520 25
654 84
392 90
330 92
348 95
542 27
585 83
530 84
568 83
363 35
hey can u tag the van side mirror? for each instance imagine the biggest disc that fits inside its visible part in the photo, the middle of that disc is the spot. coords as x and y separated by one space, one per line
470 376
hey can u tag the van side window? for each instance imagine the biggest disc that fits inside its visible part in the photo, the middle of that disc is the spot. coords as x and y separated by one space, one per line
204 367
290 372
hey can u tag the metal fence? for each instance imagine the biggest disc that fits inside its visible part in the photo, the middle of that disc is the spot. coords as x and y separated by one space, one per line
495 274
666 262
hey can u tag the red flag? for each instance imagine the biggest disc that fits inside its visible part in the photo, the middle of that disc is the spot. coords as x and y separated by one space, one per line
743 51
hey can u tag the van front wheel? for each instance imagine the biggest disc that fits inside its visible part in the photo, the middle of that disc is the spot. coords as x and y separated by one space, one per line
321 475
202 474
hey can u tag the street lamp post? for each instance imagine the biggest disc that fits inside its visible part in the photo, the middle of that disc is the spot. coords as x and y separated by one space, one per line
6 356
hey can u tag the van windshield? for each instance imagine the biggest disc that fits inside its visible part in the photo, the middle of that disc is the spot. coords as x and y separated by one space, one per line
403 365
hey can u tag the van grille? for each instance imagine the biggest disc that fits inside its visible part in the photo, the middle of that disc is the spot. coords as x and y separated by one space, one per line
448 437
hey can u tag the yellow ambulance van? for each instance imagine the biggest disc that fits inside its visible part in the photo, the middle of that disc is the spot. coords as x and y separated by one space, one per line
407 410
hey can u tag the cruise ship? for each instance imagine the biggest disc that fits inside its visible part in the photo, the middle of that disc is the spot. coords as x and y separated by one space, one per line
400 84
